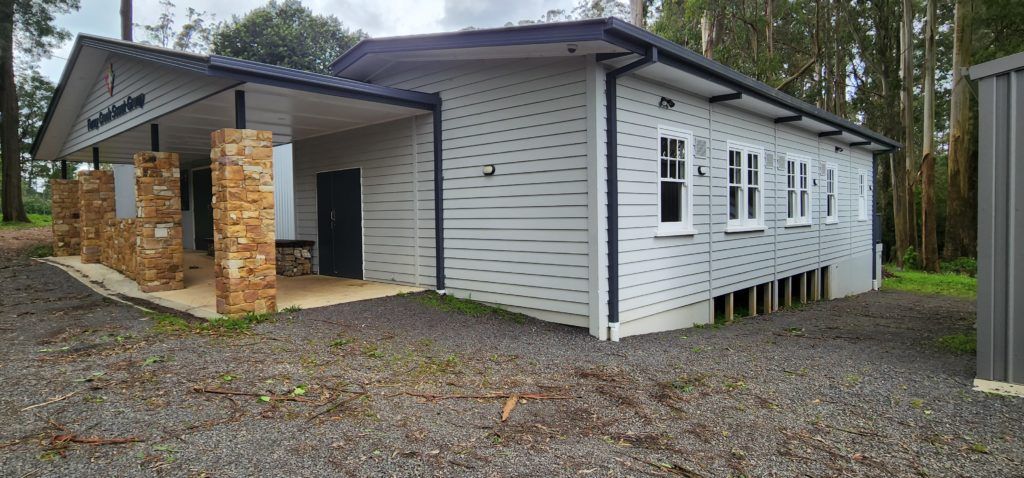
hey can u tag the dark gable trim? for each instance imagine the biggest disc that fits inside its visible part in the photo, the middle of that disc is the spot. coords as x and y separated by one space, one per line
615 32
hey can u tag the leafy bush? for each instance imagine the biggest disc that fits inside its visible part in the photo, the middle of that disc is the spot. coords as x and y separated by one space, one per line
967 266
911 259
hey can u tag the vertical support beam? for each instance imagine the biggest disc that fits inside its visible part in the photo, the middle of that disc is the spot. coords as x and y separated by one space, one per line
245 261
96 206
65 209
752 301
816 285
95 158
63 169
438 202
159 254
730 307
154 137
768 302
787 292
828 281
803 288
239 109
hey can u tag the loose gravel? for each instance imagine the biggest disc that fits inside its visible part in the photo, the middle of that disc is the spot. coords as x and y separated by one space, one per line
856 386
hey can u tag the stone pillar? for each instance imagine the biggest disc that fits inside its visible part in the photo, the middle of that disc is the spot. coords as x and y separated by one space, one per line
159 255
96 205
66 216
243 221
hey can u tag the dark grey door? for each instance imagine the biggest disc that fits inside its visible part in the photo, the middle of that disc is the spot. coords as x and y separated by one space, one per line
202 208
340 223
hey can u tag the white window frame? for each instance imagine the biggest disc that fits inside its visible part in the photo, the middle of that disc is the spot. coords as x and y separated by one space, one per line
862 195
801 188
745 223
831 193
684 227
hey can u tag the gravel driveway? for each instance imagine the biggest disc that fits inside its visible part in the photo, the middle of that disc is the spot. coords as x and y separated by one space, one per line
392 387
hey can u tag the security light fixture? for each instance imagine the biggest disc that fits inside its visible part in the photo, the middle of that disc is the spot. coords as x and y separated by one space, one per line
839 149
489 170
702 170
666 103
571 47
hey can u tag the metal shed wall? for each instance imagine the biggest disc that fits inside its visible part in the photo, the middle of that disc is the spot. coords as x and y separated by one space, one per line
1001 219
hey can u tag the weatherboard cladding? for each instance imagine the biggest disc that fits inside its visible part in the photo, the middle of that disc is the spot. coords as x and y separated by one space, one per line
165 88
520 237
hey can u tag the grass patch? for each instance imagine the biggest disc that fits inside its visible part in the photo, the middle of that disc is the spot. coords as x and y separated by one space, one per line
960 344
169 323
472 308
40 250
952 285
35 220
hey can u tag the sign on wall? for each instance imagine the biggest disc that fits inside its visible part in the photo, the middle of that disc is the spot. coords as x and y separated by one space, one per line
116 110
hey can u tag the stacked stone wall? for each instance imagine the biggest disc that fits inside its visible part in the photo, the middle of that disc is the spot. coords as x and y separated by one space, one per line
159 249
294 258
243 221
118 247
66 217
96 207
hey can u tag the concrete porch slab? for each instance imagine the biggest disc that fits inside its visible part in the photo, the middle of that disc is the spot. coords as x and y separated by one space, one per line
197 298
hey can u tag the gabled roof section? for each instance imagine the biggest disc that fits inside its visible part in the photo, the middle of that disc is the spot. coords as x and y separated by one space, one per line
90 54
620 39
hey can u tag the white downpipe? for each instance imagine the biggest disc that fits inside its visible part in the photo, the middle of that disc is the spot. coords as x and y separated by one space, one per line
442 292
613 331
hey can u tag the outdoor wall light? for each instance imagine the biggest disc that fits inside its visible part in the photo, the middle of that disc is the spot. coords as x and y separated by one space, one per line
839 150
702 170
815 182
489 170
666 103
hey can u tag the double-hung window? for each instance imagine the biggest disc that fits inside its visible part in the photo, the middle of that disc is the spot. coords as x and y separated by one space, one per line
831 203
798 191
675 215
862 196
746 191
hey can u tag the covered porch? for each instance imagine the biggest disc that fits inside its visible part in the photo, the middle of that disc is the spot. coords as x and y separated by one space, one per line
191 141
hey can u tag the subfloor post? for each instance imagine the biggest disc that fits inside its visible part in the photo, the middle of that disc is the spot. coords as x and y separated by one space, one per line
787 292
730 310
803 288
752 300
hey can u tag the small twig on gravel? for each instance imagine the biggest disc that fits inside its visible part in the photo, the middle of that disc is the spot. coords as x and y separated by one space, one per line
670 467
221 391
855 432
340 403
93 440
53 400
528 396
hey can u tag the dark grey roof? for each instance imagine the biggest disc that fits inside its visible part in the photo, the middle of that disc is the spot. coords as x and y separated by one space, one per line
615 32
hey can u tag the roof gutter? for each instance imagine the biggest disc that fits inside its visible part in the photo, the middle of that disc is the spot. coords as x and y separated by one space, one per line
612 156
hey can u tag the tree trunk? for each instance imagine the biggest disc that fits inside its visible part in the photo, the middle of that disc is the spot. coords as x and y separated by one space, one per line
929 231
10 141
126 20
707 35
636 13
769 27
903 177
961 205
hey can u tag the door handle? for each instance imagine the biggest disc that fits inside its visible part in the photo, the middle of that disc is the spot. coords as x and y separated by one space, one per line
333 217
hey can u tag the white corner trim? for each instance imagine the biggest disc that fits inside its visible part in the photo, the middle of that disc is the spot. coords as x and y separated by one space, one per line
1001 388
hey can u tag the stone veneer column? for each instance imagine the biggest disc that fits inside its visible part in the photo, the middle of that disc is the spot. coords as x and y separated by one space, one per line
159 255
66 215
96 206
243 221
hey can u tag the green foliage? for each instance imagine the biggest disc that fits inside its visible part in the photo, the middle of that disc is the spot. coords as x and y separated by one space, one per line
194 35
169 323
910 259
963 265
286 34
965 343
952 285
40 250
471 308
35 220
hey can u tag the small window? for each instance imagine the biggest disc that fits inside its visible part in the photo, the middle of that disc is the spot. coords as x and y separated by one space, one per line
674 195
862 196
746 195
798 192
831 203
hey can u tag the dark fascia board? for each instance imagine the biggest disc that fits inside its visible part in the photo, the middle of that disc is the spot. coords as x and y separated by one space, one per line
241 70
825 134
788 119
725 97
997 66
616 32
861 143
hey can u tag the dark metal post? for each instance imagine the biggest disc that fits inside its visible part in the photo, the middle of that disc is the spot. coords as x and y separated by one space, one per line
95 157
154 137
239 109
63 169
438 201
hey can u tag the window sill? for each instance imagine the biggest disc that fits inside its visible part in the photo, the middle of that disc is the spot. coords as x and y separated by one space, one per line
832 221
799 224
736 229
675 233
862 220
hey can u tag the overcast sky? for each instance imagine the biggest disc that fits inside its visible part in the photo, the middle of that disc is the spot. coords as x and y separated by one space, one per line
376 17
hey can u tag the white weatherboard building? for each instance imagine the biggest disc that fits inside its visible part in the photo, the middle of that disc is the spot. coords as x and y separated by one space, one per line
591 173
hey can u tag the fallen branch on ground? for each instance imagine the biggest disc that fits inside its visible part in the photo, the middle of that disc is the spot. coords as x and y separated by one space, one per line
93 440
272 397
53 400
430 397
340 403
